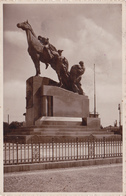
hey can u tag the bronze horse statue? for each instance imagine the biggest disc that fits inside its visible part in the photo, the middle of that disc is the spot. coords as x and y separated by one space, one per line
40 49
39 52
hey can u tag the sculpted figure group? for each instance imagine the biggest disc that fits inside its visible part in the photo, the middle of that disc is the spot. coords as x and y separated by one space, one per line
40 49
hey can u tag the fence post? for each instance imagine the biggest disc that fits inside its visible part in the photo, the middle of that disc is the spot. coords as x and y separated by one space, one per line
5 152
52 149
104 146
32 149
93 148
17 149
77 147
88 147
39 150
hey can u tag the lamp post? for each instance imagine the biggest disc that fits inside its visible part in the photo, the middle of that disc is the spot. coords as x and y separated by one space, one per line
8 118
119 108
94 94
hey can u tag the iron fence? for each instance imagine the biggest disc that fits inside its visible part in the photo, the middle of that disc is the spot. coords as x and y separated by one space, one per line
54 150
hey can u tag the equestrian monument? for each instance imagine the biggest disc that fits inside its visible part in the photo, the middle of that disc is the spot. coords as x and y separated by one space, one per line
55 109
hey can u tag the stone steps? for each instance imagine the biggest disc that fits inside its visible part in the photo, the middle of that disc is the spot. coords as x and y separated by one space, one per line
51 129
65 130
60 122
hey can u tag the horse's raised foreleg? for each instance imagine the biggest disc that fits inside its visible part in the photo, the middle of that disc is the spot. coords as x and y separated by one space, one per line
37 64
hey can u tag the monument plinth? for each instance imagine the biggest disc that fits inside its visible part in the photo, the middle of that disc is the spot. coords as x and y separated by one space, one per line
53 112
52 108
45 98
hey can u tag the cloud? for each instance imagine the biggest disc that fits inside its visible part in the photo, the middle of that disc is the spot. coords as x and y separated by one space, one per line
97 43
92 44
15 38
14 100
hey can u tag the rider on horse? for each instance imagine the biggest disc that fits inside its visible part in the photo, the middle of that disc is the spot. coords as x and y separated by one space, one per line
52 51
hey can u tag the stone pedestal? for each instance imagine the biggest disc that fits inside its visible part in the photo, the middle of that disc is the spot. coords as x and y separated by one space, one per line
45 98
53 112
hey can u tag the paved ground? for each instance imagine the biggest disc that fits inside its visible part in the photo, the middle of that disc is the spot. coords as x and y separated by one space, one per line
105 178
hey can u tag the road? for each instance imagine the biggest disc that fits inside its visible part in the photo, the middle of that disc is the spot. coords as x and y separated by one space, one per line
104 178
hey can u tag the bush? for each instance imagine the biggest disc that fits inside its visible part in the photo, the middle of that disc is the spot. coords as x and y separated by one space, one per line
15 125
5 128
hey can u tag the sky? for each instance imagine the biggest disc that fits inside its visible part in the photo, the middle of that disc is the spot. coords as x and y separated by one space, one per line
86 32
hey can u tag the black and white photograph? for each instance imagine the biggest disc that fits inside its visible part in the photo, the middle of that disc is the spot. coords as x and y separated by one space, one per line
63 97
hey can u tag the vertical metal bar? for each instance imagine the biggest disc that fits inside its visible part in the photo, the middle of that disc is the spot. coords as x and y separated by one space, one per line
62 150
21 152
32 151
101 147
96 147
59 150
77 146
56 150
85 144
46 150
9 152
52 149
65 149
49 150
4 153
39 152
68 148
43 151
74 149
71 149
111 147
28 153
106 155
120 147
93 148
13 153
116 147
88 148
80 148
24 152
17 150
104 146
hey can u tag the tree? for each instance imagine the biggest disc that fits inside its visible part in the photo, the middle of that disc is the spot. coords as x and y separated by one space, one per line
15 125
5 128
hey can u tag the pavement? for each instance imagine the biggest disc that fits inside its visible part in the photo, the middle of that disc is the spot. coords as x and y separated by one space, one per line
102 178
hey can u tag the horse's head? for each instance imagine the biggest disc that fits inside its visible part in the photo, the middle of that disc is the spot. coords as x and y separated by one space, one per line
24 25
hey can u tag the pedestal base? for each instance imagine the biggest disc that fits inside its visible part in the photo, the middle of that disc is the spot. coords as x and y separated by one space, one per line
45 98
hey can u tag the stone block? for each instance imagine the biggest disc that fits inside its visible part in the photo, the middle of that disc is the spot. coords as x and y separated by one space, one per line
45 98
67 103
93 122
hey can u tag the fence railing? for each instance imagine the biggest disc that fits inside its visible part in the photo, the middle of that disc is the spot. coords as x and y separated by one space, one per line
54 150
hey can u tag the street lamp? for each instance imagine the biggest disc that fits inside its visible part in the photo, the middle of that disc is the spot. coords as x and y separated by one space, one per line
119 108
